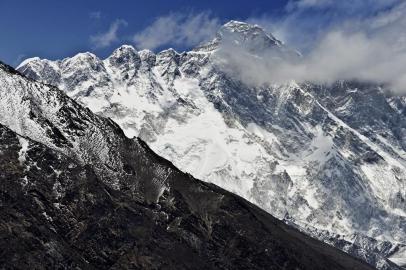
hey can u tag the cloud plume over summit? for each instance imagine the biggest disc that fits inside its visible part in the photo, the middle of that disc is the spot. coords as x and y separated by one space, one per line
177 29
366 44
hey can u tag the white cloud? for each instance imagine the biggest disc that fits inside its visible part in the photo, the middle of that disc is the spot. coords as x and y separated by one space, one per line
302 4
177 29
19 59
106 39
371 47
306 21
350 7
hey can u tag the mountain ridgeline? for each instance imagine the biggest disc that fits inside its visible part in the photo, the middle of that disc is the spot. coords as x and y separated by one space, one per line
77 193
329 160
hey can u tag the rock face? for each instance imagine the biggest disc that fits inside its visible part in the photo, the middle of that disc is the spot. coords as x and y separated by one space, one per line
329 158
76 193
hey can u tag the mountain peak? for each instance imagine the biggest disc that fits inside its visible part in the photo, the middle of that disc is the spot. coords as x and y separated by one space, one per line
247 32
249 36
239 26
124 55
28 60
84 56
145 52
124 49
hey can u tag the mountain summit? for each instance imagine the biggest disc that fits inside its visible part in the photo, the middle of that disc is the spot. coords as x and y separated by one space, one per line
247 33
251 37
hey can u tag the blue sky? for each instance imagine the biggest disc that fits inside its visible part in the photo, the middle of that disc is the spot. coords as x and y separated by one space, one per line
56 29
346 39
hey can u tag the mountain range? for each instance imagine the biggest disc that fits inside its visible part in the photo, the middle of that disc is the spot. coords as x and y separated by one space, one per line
76 193
328 159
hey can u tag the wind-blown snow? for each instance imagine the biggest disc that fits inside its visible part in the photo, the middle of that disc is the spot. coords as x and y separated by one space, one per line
23 151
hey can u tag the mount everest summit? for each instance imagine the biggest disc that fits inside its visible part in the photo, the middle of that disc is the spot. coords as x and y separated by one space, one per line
328 159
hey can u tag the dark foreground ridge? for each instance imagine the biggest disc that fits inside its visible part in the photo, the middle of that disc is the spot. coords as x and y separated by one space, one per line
67 207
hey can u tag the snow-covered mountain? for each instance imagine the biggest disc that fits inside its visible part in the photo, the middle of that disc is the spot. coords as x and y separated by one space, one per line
76 193
329 158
